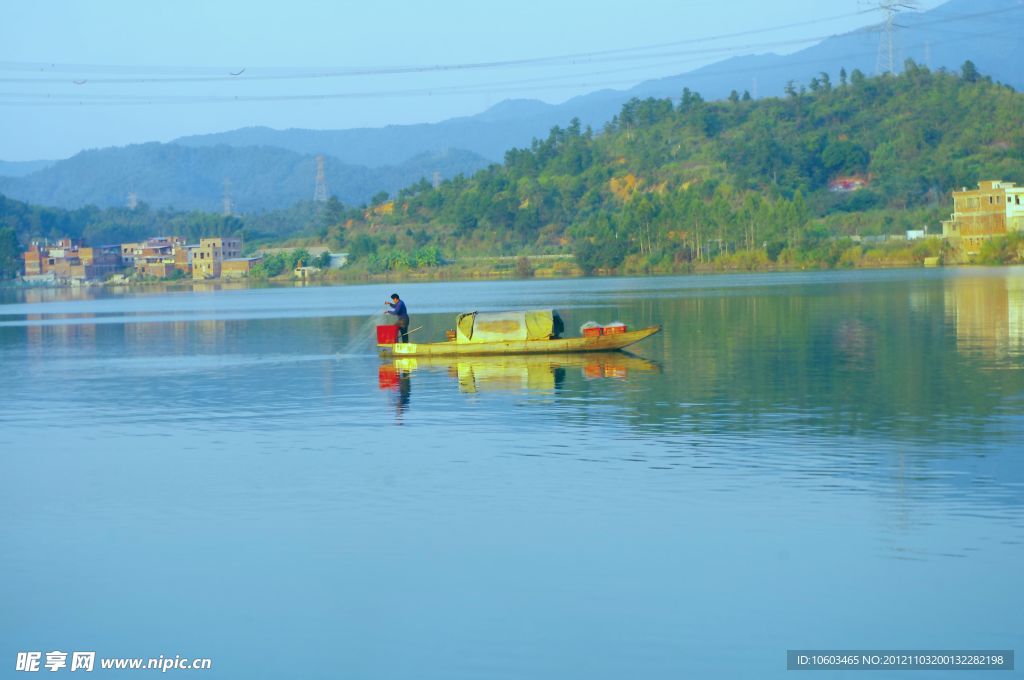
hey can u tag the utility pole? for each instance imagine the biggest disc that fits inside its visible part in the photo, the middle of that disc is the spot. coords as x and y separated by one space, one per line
229 205
320 193
886 42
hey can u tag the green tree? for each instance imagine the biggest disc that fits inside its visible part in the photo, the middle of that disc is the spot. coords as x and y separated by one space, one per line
274 264
10 253
604 253
969 72
299 258
524 268
362 246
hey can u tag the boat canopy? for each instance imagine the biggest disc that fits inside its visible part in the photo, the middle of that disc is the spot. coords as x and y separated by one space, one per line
538 324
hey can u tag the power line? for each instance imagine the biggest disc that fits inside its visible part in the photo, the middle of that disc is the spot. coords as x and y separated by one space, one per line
590 59
532 84
35 66
231 73
469 88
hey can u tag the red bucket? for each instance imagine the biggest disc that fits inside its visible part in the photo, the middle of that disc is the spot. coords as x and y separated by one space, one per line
387 335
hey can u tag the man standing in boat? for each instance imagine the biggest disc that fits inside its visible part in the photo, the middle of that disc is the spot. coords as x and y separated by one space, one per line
401 315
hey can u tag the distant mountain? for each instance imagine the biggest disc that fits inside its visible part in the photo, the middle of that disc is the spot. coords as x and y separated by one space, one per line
274 168
987 32
22 168
261 178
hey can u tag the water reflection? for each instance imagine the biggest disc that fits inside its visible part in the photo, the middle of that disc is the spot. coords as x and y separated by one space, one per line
988 315
536 373
79 335
860 357
398 380
843 432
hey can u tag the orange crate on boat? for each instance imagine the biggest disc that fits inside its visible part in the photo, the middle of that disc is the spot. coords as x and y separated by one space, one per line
615 328
592 332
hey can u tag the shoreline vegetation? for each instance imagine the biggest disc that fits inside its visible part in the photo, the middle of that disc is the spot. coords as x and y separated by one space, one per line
837 254
837 174
843 256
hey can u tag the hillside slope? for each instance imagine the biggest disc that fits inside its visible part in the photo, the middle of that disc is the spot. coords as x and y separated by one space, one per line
669 181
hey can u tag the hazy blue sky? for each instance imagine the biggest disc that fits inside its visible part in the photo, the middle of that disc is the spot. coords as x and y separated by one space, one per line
80 55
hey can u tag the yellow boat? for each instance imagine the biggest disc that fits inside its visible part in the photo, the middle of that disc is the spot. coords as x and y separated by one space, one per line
530 332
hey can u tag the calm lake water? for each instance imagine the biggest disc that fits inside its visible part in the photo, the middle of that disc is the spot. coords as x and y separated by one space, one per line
821 460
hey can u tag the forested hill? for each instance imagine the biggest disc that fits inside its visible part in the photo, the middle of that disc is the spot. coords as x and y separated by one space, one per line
666 178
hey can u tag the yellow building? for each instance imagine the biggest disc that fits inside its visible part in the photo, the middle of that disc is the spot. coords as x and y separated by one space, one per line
209 256
993 209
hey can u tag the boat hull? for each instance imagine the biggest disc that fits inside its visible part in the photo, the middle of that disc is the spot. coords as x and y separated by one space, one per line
600 343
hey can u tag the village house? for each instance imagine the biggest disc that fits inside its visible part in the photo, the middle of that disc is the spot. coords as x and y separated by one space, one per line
208 258
153 257
995 208
183 258
156 257
68 259
238 267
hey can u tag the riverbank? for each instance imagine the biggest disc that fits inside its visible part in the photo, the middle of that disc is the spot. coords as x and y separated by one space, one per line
842 256
453 273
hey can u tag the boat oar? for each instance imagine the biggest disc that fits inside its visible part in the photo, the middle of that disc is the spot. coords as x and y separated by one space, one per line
415 329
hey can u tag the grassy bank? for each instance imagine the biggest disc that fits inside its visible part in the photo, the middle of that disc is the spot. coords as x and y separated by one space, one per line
838 254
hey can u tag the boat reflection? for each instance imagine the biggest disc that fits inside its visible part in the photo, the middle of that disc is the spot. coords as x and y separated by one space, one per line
534 372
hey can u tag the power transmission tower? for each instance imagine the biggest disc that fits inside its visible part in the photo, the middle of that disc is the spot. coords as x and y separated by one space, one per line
133 200
229 205
437 179
320 193
886 42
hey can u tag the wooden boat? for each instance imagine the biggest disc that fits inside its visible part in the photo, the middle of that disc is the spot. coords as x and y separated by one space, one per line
598 343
